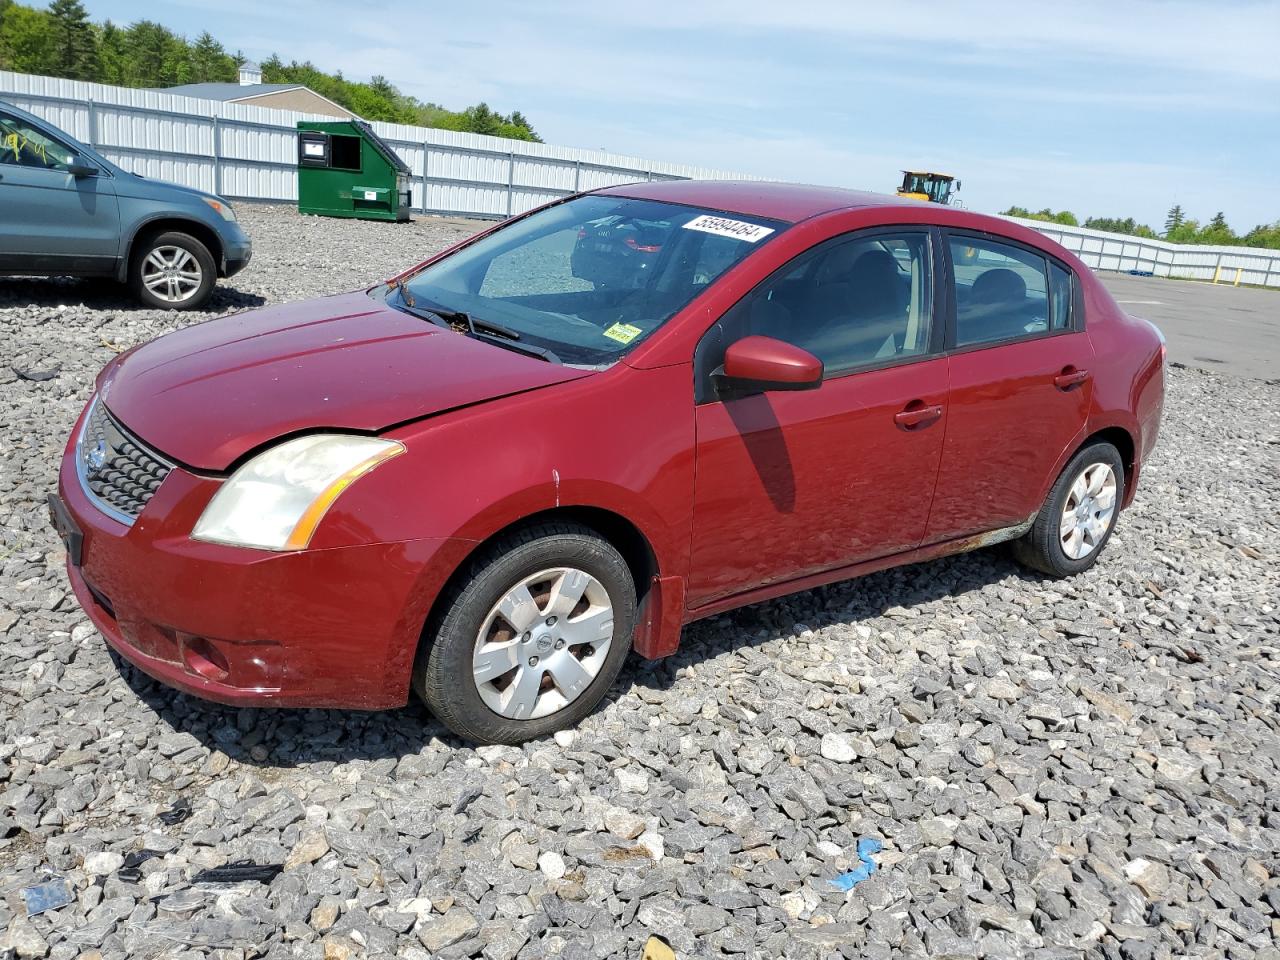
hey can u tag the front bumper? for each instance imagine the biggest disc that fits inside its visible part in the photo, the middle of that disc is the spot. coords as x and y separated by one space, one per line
231 267
334 627
237 249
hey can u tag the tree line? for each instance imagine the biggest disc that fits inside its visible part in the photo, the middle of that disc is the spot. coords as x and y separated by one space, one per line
61 41
1178 227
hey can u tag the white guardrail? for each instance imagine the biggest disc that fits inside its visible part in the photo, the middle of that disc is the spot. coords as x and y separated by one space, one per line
250 153
1120 252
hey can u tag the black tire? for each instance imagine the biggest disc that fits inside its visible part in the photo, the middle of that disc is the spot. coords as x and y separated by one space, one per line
1040 548
442 674
183 241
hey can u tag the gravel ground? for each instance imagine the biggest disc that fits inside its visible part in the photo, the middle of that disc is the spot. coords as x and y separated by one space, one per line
1054 769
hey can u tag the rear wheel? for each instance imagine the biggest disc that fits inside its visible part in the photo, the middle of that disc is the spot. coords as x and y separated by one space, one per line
172 271
534 637
1079 515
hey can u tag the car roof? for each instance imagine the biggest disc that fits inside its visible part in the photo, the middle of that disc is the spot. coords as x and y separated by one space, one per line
790 202
21 114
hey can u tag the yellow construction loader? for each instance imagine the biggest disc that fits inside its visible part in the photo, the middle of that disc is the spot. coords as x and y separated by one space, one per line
934 187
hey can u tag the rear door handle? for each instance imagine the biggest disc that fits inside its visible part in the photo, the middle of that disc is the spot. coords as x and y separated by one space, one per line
1071 377
917 415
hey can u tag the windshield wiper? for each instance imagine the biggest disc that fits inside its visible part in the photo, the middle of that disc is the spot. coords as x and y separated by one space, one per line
465 323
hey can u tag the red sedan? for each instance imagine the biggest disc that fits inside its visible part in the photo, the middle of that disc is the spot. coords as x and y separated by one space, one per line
492 477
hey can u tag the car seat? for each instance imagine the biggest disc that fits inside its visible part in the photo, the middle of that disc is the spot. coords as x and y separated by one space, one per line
861 314
997 307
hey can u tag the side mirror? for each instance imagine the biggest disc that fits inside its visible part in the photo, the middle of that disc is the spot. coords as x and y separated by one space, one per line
757 364
77 166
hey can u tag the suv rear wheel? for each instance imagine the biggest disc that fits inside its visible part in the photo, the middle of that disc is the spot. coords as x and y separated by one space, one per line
172 271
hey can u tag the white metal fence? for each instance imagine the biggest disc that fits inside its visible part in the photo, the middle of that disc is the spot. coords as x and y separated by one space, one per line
1117 251
247 152
250 152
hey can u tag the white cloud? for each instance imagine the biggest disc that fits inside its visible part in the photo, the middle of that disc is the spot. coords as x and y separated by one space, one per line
1227 38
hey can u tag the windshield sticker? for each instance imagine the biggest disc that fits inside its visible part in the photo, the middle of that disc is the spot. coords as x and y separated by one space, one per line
724 227
623 332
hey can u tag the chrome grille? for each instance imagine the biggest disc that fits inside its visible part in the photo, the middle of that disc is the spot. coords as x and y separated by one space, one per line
117 470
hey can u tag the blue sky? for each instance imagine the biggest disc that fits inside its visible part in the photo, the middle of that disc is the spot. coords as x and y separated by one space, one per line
1117 108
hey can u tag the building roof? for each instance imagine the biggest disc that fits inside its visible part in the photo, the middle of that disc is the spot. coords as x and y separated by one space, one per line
250 65
230 91
778 201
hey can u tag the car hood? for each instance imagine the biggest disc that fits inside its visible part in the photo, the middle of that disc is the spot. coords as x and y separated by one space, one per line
207 395
130 184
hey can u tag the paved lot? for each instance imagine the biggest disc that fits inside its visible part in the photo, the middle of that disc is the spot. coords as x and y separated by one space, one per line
1233 330
1056 770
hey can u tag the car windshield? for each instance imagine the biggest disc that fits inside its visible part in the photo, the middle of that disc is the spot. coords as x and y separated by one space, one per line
588 279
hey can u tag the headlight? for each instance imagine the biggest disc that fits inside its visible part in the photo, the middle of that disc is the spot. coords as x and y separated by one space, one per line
277 499
221 206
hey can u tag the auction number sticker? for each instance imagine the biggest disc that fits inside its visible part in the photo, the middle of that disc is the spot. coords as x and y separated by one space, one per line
724 227
623 332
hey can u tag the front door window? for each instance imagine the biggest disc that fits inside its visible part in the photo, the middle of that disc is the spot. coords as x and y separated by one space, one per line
856 303
26 146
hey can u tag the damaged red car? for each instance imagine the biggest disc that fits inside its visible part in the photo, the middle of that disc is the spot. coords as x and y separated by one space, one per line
493 477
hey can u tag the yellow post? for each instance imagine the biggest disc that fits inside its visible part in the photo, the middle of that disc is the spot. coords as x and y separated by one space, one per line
1239 271
1217 273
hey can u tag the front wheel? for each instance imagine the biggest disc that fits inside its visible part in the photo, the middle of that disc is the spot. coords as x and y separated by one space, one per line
532 639
1079 515
172 271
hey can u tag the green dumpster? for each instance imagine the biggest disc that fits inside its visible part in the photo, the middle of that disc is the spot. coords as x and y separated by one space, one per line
347 170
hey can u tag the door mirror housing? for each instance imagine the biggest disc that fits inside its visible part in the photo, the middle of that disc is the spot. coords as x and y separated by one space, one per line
78 166
759 364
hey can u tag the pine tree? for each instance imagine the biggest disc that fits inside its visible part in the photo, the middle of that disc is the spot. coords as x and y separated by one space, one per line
157 57
75 52
1219 222
1175 218
209 61
113 55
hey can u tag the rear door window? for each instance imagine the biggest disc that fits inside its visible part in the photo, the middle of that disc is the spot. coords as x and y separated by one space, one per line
1001 291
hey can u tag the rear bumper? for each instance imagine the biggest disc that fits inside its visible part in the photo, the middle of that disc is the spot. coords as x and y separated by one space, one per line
335 627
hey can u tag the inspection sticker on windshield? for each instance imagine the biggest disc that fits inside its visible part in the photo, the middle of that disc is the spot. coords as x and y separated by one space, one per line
623 332
724 227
